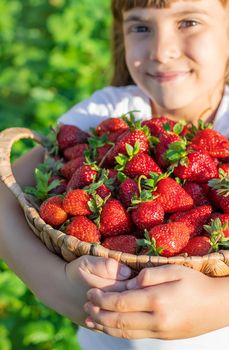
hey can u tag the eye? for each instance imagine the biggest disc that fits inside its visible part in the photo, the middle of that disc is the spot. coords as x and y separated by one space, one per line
139 29
187 24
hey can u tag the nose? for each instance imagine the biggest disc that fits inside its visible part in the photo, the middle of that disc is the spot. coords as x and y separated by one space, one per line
166 46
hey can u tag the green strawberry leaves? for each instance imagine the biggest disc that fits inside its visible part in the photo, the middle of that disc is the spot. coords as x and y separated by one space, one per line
42 188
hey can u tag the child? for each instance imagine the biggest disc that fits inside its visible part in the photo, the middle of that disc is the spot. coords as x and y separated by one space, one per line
171 57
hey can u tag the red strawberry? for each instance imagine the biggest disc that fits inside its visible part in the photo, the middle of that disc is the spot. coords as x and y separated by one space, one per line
83 229
200 167
195 217
70 135
115 136
224 219
112 174
71 166
170 238
111 125
141 164
224 167
122 243
197 193
52 212
83 176
156 124
212 142
103 191
147 215
76 202
128 137
114 219
172 196
219 190
101 153
127 190
198 246
75 151
165 140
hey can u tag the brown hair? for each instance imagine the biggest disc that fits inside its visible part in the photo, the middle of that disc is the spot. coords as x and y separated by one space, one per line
121 75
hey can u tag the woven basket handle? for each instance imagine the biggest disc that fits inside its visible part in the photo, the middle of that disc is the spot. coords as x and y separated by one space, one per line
7 138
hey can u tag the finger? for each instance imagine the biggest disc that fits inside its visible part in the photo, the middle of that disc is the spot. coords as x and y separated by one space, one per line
156 275
126 301
107 285
125 321
121 333
105 267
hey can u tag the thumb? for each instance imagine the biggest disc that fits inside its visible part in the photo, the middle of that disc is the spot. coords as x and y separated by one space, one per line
105 267
157 275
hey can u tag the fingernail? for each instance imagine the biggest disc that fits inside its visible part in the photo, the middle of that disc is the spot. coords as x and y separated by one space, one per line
125 271
131 284
89 322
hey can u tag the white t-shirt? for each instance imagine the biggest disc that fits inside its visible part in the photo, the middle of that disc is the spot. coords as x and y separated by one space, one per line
113 102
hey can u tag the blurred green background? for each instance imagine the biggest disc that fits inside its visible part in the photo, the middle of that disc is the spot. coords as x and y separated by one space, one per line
53 54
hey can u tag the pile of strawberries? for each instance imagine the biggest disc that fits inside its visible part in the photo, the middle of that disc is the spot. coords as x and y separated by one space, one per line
152 187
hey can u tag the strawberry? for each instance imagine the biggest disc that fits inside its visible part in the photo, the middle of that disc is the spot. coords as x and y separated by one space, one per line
103 191
219 191
101 153
165 140
111 125
147 214
197 193
70 135
115 136
198 246
199 167
83 229
212 142
195 217
141 164
170 238
130 138
71 166
224 167
114 219
75 151
156 125
83 176
76 202
217 231
52 212
122 243
172 196
127 190
224 219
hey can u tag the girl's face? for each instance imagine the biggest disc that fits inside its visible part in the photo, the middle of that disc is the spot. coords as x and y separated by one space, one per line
178 55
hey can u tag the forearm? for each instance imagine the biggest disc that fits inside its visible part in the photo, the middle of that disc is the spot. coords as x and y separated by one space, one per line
42 271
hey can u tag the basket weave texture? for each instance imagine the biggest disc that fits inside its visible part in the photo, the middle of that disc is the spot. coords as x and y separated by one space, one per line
69 247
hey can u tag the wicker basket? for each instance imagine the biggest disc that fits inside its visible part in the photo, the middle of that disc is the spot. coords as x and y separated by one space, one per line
69 247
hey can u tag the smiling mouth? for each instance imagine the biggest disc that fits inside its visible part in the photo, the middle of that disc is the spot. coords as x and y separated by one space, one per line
168 76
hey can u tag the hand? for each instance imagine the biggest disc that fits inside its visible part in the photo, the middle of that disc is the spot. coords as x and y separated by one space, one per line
166 302
89 271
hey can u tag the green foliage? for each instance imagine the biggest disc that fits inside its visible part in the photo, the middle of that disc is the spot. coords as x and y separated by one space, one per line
53 54
25 323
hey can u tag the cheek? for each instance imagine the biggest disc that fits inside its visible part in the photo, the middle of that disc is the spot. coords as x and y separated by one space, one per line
134 56
205 51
